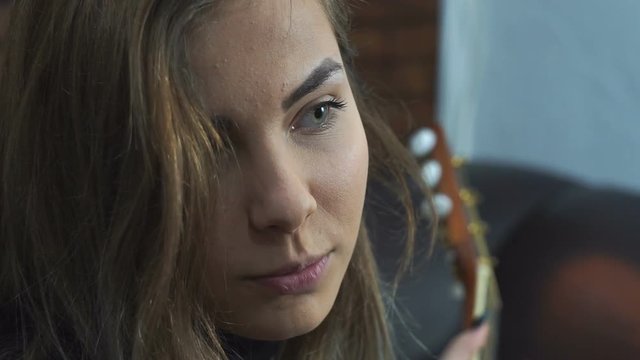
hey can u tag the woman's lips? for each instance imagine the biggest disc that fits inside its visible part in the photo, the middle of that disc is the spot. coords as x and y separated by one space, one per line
296 279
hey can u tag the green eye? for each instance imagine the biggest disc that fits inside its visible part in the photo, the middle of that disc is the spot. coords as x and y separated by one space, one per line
320 116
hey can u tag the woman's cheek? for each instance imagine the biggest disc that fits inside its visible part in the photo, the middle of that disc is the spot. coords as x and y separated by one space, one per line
341 172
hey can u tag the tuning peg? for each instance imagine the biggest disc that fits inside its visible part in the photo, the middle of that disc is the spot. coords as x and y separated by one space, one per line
458 291
469 197
478 228
458 161
422 142
442 204
431 173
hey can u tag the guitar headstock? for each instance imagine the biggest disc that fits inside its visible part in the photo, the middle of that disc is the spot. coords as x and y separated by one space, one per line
455 207
429 147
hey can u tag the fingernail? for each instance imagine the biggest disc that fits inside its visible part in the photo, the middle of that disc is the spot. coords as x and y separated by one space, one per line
477 322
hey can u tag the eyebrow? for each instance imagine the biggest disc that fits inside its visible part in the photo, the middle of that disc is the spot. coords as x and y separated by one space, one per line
318 76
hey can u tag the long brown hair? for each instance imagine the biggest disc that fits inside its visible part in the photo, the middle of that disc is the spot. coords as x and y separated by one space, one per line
108 170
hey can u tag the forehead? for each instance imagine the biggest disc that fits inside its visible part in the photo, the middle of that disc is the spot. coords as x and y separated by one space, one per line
258 50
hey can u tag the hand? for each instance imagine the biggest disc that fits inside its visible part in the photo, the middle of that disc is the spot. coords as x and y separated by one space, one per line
466 344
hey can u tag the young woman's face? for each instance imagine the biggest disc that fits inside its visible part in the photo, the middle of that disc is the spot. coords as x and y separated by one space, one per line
290 203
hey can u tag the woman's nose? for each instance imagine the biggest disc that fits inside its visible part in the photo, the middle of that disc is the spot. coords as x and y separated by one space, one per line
281 200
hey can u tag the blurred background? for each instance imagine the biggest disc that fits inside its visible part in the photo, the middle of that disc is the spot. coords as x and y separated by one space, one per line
551 84
543 99
547 84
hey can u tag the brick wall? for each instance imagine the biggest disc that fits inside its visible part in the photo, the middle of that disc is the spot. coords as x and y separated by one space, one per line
397 41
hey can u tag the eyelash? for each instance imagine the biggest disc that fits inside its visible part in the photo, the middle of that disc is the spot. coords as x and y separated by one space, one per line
335 103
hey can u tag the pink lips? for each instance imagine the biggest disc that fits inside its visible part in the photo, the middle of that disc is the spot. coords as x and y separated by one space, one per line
297 280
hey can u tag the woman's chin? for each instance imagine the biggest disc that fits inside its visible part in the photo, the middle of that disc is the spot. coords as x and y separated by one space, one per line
277 329
279 317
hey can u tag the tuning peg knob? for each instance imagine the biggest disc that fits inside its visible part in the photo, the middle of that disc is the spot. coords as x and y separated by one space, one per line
431 173
422 142
458 291
441 203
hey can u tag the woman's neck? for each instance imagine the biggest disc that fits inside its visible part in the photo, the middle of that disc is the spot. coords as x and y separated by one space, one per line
241 348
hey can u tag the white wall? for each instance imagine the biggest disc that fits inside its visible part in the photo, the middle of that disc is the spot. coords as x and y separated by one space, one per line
552 84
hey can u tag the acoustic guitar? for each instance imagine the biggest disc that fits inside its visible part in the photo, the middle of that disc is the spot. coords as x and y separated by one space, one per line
455 207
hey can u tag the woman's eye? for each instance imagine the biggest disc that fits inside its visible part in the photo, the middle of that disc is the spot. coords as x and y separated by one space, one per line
319 117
